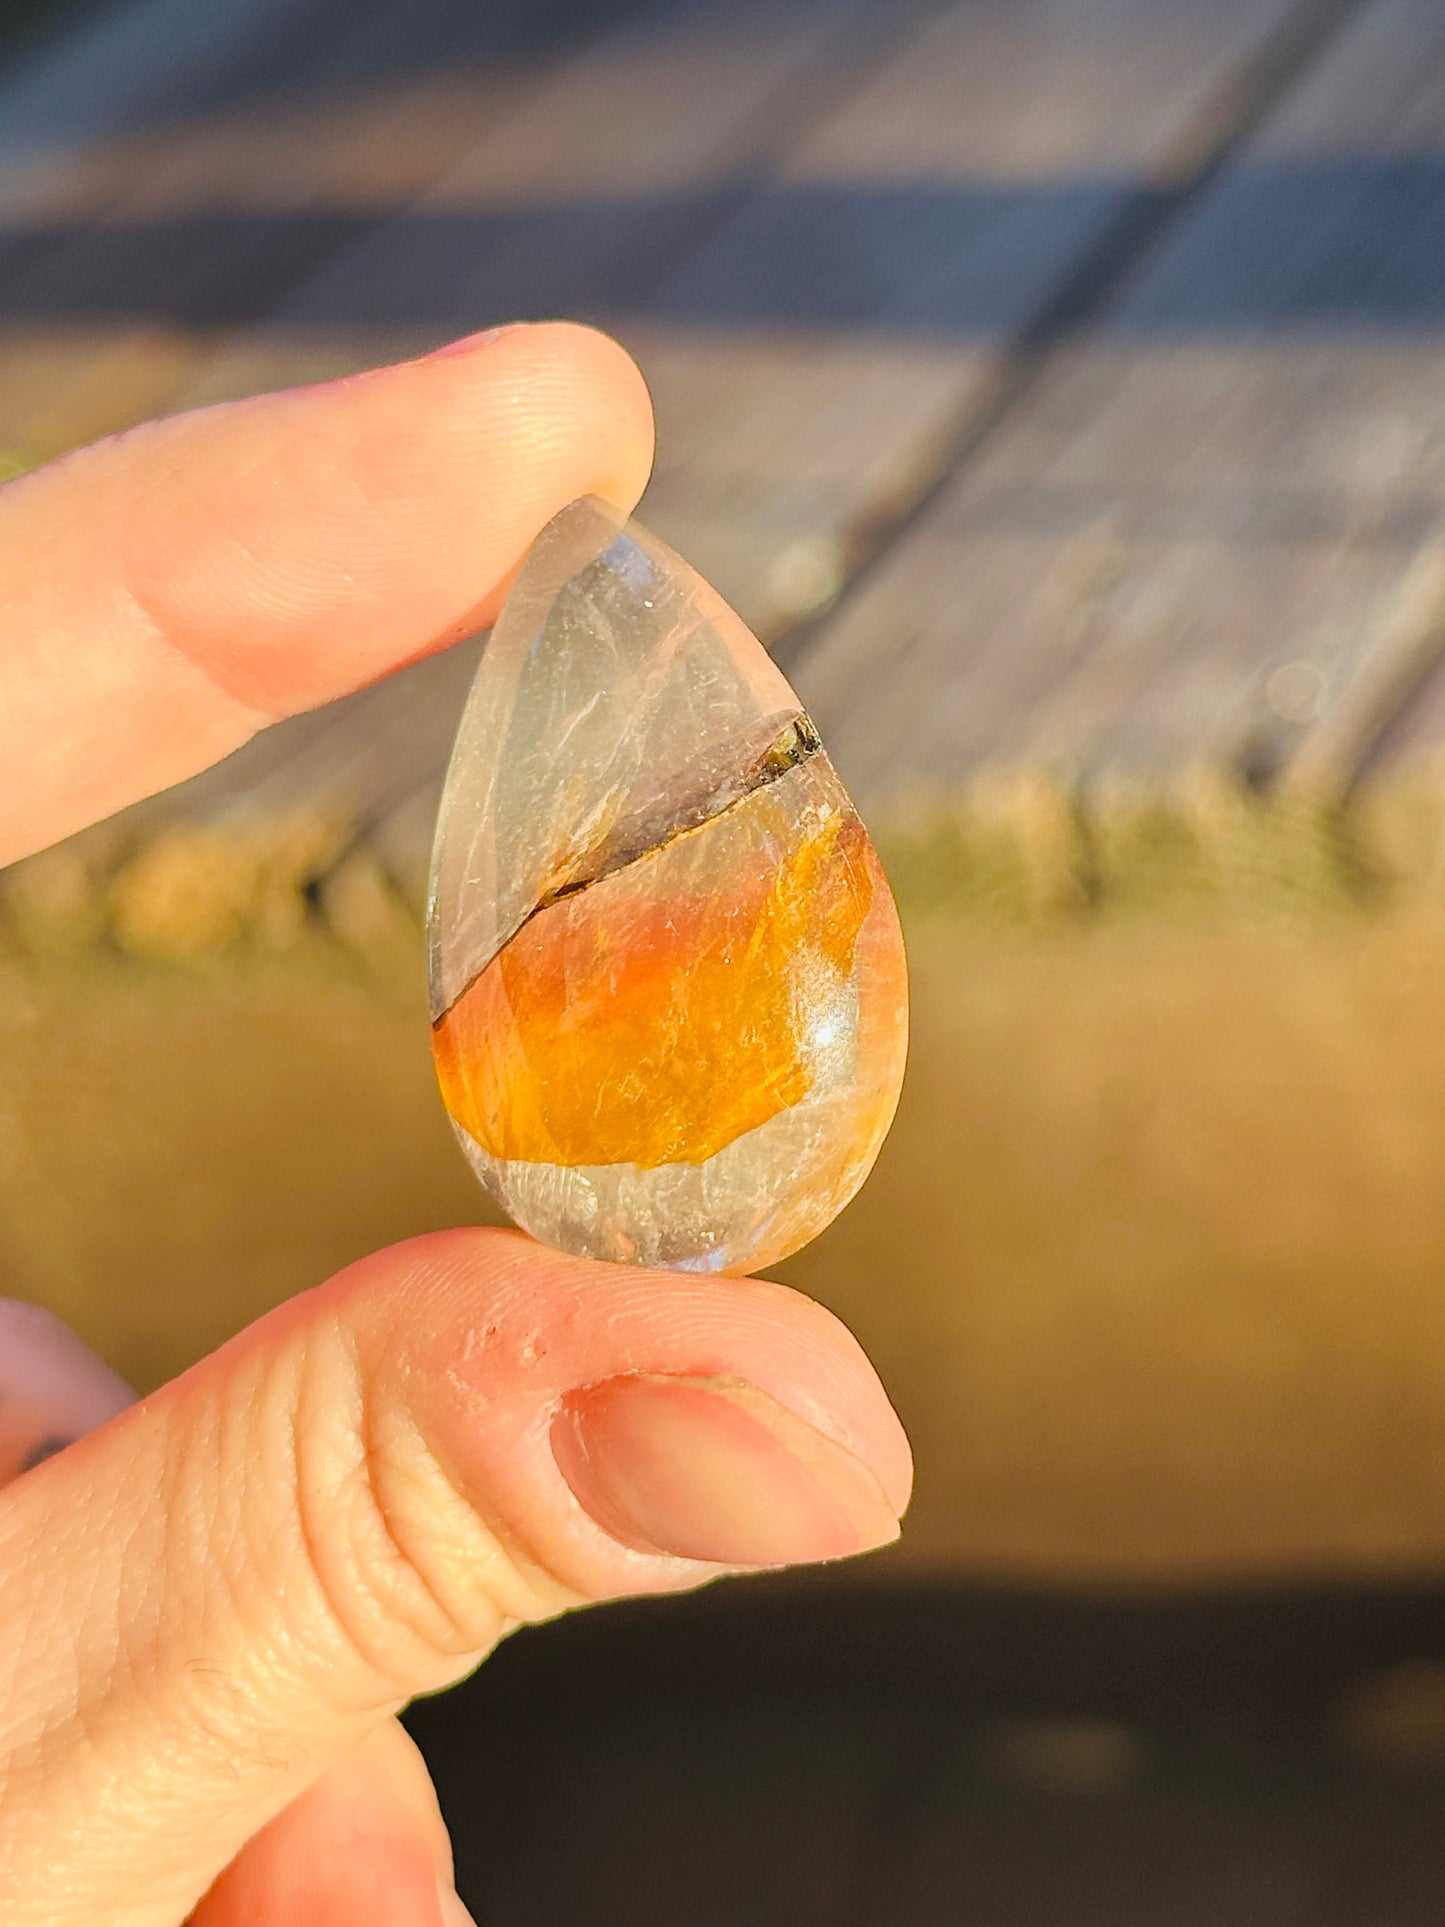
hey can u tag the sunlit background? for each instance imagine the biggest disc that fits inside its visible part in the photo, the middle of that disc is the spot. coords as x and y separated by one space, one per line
1058 388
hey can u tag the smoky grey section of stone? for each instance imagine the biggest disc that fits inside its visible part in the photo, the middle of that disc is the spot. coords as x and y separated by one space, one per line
653 829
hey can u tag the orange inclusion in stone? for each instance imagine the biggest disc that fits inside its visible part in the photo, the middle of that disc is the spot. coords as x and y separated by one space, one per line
617 1028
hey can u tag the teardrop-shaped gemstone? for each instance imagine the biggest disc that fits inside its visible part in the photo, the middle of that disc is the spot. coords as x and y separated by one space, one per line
668 984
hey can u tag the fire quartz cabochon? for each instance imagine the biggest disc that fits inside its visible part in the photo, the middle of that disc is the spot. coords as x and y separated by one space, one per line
669 994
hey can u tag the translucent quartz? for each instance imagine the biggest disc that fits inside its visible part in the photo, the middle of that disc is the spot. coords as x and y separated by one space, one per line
668 985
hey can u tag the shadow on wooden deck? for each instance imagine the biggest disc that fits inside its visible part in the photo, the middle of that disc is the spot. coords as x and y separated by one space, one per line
826 1758
906 260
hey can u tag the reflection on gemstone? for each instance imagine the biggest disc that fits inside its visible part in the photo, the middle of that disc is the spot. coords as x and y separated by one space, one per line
668 982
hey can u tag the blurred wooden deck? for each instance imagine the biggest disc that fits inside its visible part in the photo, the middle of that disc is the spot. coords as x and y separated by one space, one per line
1053 384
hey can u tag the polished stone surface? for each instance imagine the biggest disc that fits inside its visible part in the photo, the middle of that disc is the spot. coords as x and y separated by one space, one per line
669 993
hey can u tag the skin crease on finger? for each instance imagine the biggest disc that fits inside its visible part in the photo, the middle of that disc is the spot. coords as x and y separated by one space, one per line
365 1845
346 1505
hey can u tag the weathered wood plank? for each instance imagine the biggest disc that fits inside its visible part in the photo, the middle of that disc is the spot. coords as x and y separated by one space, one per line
929 220
685 93
781 441
541 207
135 238
117 71
592 191
157 236
153 85
73 113
1188 543
822 282
376 761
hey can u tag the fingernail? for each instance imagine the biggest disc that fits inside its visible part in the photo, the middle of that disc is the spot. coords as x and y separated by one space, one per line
713 1469
454 1914
468 342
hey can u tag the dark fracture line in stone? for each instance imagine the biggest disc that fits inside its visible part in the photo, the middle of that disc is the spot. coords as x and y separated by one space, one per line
797 743
791 747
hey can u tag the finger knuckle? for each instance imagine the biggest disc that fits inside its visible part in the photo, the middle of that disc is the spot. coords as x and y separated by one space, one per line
409 1574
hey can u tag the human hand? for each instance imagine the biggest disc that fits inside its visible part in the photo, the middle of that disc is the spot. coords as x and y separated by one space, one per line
214 1602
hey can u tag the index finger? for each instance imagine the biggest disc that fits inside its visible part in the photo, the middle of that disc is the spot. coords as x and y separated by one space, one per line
166 593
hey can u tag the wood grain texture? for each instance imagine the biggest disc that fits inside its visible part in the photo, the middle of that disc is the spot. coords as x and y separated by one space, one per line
927 223
83 122
145 243
824 231
377 761
1187 544
967 166
597 183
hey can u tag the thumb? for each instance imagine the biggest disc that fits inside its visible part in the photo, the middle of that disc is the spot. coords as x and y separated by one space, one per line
222 1590
365 1843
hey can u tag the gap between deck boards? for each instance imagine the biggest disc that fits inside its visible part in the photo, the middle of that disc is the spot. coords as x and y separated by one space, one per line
1184 171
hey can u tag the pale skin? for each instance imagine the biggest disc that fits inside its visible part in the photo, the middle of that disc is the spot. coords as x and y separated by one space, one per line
214 1602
